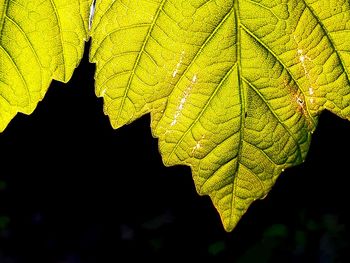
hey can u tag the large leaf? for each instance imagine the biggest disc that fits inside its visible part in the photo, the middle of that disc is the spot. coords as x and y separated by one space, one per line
40 40
234 88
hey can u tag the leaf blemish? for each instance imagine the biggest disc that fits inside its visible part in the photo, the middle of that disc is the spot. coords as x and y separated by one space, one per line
311 90
180 107
197 146
183 100
194 79
300 102
302 59
178 65
311 93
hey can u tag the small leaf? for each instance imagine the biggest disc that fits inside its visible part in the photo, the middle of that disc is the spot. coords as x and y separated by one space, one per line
234 88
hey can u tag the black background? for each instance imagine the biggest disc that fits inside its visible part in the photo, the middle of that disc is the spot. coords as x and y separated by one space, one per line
74 190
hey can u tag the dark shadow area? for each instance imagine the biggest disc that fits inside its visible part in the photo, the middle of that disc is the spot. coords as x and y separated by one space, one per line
73 190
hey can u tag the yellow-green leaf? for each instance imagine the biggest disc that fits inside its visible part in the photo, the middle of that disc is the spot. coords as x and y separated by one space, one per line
234 88
40 40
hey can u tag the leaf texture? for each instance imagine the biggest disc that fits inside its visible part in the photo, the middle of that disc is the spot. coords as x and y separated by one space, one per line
40 40
234 88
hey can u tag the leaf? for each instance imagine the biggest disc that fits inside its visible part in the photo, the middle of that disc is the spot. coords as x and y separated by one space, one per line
234 88
39 41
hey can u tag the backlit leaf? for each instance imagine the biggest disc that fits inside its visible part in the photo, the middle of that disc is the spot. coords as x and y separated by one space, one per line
40 40
234 88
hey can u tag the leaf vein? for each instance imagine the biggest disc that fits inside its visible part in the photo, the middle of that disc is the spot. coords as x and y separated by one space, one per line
116 31
60 34
330 39
275 115
200 113
128 85
284 66
17 70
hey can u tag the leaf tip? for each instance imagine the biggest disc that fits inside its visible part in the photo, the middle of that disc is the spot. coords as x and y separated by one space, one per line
230 222
229 216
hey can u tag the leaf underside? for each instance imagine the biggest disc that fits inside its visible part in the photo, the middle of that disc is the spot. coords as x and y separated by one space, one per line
234 88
